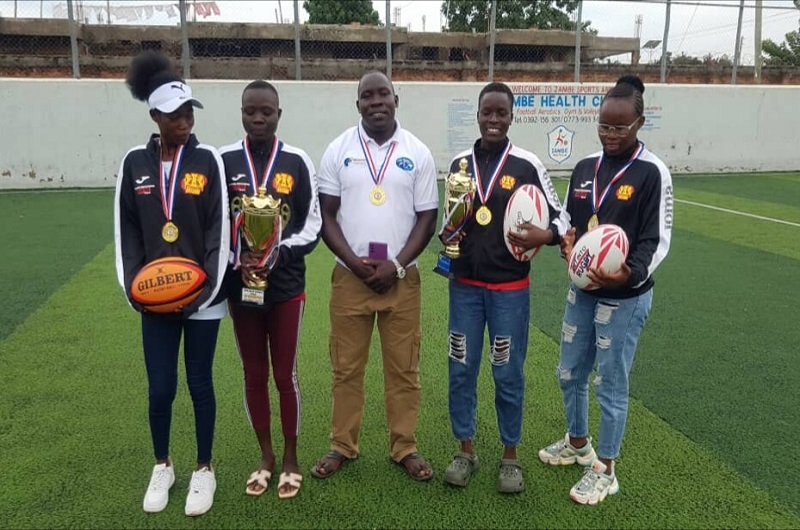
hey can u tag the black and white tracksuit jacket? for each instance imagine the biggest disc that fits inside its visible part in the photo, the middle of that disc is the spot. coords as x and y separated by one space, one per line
484 255
200 212
640 202
294 181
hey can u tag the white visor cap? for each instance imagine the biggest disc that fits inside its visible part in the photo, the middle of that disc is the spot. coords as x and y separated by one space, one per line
170 96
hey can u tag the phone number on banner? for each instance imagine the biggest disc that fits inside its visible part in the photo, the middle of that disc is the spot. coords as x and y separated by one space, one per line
555 119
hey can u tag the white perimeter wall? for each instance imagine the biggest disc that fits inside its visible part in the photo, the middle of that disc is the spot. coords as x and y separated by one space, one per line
73 133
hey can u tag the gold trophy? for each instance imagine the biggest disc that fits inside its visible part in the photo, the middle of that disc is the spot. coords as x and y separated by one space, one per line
261 228
459 190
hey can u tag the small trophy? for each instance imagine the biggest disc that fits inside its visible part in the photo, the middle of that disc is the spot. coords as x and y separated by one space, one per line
459 190
261 228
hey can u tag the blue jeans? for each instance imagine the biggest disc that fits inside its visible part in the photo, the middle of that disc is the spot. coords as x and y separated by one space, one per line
507 314
606 330
161 337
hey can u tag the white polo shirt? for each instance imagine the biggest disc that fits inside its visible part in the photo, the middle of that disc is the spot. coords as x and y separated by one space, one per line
409 185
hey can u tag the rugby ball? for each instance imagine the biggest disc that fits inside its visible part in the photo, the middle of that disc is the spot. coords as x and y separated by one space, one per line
527 205
605 247
166 285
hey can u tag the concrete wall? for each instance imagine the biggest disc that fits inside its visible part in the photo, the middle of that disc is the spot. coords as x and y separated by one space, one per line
70 133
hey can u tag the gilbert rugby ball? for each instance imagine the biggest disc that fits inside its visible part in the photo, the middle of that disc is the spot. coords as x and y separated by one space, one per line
527 205
166 285
605 247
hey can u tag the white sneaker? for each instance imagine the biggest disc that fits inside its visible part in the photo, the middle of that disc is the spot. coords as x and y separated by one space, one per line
595 485
201 492
157 495
562 453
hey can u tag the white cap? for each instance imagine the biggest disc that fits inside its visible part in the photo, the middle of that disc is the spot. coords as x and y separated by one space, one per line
170 96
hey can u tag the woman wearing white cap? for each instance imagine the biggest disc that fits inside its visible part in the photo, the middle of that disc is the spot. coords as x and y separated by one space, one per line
171 201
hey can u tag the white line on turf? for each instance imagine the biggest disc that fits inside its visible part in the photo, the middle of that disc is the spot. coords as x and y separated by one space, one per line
735 212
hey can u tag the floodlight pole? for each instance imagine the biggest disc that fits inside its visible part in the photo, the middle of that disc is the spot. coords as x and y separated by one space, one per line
185 62
389 39
738 53
73 39
759 9
297 56
578 33
492 33
664 44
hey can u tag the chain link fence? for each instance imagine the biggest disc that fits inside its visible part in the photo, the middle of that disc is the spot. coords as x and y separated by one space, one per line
671 41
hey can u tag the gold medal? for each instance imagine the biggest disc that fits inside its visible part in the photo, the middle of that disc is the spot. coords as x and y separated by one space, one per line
593 222
483 216
377 196
170 232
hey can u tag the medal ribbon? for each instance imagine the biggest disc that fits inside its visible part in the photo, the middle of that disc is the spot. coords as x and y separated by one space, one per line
251 167
597 201
502 162
167 182
376 174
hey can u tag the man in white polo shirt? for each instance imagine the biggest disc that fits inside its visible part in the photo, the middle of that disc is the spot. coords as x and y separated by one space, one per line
378 195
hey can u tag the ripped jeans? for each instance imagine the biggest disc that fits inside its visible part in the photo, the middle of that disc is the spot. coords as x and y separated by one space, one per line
605 330
507 314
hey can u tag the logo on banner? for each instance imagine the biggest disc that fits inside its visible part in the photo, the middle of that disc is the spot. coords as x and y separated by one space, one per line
559 143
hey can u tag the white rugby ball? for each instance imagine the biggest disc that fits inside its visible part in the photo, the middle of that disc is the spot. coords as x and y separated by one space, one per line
527 205
605 247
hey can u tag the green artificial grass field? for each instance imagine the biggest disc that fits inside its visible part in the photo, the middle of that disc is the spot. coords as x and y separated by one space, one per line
712 419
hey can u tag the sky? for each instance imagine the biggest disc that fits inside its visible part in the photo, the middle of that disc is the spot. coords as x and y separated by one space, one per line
696 28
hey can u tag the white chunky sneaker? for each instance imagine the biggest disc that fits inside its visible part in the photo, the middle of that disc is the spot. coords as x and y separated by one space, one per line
157 495
201 492
595 485
562 453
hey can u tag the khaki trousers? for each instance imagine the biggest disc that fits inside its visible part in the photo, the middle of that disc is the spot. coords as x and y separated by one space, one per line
353 308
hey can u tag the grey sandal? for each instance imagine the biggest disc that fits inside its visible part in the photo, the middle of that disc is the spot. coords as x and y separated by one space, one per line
461 469
510 479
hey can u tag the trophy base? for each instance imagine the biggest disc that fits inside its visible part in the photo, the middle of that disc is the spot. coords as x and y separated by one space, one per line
444 267
253 297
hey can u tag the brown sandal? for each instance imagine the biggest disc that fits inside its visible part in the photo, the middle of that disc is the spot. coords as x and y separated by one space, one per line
329 464
415 467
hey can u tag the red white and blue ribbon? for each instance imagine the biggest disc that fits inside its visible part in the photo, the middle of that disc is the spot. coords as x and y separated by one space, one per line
598 201
493 179
376 174
167 182
251 167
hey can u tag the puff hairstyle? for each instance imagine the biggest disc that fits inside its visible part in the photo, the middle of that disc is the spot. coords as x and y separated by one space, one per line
148 71
629 87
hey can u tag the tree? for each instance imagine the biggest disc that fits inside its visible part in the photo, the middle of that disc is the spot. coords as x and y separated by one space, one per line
783 54
341 12
473 15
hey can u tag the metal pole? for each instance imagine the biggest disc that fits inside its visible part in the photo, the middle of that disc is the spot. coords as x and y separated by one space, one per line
41 8
759 9
664 47
492 33
738 53
297 56
73 39
15 8
108 12
578 33
185 60
389 39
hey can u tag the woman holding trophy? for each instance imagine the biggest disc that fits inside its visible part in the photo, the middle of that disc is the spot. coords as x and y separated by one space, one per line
276 222
489 286
171 203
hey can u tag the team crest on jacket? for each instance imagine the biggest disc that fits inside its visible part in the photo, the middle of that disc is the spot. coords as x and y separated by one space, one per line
283 183
559 143
624 192
194 183
507 182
